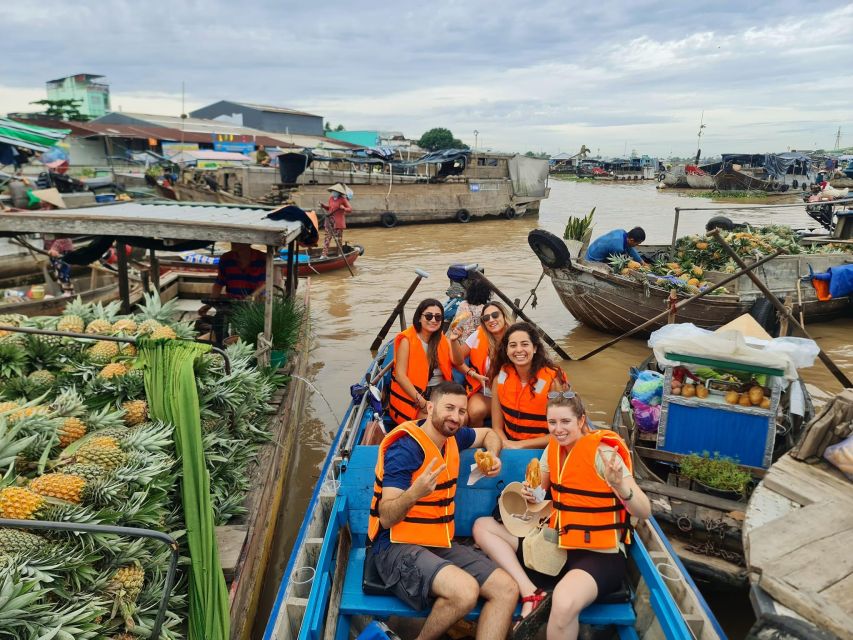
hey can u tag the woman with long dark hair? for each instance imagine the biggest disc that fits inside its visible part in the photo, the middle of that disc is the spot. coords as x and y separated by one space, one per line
522 374
481 348
422 360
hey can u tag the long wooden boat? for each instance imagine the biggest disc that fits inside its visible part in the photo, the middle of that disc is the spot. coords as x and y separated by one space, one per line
699 181
616 304
321 593
311 262
705 526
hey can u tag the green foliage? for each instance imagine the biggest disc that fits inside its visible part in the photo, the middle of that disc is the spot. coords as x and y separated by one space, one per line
440 138
327 126
728 195
65 109
717 472
577 227
248 321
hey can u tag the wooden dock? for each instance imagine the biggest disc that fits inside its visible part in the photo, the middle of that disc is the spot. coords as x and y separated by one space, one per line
797 539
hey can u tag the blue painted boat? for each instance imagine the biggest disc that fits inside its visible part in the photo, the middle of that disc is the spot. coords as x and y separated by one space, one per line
321 593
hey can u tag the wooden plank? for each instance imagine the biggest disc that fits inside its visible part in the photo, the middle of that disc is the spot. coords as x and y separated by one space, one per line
841 593
695 497
666 456
805 483
822 612
343 551
765 505
230 539
816 566
786 535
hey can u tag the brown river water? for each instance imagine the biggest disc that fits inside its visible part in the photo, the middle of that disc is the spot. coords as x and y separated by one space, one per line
347 312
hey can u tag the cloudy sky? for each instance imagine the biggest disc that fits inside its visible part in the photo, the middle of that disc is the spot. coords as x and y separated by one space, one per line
543 76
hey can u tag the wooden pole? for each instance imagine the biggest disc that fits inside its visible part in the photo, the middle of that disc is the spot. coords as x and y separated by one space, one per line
783 311
519 313
292 269
377 342
268 298
155 270
123 283
675 231
341 249
671 302
678 305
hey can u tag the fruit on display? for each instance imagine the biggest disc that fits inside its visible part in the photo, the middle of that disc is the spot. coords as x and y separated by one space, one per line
756 395
732 397
765 403
77 444
743 400
701 391
688 390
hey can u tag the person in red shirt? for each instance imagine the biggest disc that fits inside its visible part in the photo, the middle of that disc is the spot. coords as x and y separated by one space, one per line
337 208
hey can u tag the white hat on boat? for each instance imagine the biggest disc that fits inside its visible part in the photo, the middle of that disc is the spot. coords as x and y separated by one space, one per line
340 188
519 516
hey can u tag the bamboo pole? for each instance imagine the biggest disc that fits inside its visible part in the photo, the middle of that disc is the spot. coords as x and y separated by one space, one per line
268 299
398 310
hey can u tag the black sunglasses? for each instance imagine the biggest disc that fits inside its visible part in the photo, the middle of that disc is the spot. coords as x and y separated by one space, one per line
568 395
494 315
432 316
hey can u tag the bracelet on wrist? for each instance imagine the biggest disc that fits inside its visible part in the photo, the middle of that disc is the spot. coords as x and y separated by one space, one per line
628 497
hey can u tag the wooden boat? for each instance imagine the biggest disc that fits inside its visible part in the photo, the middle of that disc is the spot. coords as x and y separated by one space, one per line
321 593
705 526
699 181
616 304
311 262
764 172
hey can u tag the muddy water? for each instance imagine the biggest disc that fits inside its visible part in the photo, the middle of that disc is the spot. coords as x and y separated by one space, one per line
347 312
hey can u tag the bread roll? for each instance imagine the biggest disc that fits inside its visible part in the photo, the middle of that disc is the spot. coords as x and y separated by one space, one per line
533 474
484 460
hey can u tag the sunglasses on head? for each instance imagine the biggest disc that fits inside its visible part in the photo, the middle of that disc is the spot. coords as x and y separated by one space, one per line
568 395
429 317
494 315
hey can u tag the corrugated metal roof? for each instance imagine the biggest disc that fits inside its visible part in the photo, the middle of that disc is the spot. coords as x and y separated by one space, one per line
274 109
162 219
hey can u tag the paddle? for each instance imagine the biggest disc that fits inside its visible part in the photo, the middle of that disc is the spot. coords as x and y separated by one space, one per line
341 249
398 309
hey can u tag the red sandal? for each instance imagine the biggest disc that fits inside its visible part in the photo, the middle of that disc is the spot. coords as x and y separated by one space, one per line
535 598
528 626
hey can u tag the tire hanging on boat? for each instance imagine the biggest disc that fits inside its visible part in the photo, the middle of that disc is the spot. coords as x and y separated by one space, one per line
388 220
463 216
719 222
551 250
765 314
509 213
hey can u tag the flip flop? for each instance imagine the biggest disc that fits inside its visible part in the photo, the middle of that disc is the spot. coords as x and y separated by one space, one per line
529 626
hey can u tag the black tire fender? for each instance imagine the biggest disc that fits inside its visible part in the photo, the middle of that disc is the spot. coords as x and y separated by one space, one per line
765 314
463 216
551 250
388 220
719 222
510 213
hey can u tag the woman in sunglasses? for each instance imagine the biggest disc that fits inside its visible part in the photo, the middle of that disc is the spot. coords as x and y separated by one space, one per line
522 374
593 496
480 348
422 360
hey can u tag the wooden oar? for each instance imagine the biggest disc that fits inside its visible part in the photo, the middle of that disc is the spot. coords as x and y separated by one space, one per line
679 305
341 249
782 309
398 309
518 312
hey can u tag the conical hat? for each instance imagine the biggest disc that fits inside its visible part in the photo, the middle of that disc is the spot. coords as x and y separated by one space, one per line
339 187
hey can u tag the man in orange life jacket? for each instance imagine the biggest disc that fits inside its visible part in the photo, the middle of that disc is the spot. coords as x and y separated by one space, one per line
411 524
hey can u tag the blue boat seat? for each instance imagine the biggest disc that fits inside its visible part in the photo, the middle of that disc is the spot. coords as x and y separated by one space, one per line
472 502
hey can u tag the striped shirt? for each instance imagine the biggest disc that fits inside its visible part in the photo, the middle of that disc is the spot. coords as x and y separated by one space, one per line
240 282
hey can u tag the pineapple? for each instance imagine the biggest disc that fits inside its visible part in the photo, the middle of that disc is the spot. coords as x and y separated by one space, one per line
125 325
102 351
68 403
112 370
12 319
28 412
17 503
102 451
148 326
633 264
99 326
118 433
163 332
136 412
71 324
62 486
125 586
8 406
619 263
41 379
72 429
129 350
14 541
701 245
88 472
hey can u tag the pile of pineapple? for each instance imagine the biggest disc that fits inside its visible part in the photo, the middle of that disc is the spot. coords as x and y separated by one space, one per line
77 445
698 254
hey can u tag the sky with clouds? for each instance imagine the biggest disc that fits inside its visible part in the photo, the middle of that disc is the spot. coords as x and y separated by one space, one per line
544 76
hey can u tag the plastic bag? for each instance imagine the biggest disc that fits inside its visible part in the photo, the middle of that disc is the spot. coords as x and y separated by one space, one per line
841 455
802 351
646 416
648 387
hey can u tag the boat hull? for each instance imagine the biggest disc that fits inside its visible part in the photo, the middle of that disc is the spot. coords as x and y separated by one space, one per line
695 181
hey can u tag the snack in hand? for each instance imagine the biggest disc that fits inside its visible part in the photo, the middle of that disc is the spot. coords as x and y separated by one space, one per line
533 474
484 460
460 317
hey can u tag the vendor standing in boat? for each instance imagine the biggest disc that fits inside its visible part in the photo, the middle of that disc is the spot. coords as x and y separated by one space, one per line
411 527
337 209
617 242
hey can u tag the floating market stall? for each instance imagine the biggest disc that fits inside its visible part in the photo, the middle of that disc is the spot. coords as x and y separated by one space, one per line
95 425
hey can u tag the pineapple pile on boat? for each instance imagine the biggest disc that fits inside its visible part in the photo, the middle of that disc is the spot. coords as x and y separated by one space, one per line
79 446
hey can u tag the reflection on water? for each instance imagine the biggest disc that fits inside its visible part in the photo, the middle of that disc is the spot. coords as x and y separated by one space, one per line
347 312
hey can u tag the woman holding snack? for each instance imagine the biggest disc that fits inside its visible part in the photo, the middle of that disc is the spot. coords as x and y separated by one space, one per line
468 312
421 361
480 348
594 493
522 375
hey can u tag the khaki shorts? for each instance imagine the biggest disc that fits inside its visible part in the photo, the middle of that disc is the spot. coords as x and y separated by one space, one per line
409 569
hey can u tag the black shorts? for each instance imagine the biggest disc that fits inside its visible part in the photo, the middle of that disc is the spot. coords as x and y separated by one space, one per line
607 569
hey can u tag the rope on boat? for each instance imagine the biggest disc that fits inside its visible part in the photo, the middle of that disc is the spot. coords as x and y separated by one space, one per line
533 293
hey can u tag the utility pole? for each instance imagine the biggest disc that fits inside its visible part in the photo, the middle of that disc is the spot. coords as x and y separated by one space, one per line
838 139
476 133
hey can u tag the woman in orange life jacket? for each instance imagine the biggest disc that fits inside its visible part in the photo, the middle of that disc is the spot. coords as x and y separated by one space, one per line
480 347
593 490
421 361
522 374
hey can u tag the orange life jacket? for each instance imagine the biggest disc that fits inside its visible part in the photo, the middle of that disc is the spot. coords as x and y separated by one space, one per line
429 522
587 514
523 412
400 406
478 356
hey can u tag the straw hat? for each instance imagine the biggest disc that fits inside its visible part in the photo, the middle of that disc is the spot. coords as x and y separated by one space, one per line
339 187
519 516
51 196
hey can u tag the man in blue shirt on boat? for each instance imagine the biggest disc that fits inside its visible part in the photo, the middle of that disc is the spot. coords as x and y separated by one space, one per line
617 242
411 522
